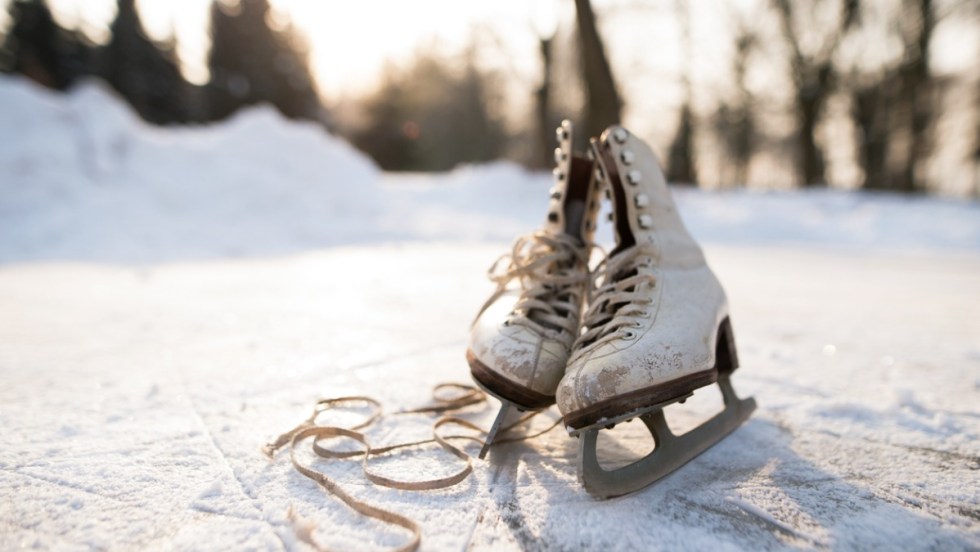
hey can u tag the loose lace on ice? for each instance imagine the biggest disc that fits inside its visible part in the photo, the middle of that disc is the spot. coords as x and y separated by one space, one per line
448 398
615 298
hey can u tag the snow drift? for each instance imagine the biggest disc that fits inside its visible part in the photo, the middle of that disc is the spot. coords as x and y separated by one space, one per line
87 179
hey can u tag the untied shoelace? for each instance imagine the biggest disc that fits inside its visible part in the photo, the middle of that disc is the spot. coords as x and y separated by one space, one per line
550 269
465 396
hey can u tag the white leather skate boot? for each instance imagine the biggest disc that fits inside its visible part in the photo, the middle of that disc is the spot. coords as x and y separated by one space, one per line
521 339
656 330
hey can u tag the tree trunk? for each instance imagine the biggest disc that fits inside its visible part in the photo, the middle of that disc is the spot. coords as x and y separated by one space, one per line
680 158
545 132
811 157
603 104
917 87
870 111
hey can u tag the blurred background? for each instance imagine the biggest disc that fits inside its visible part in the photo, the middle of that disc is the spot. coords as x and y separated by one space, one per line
871 94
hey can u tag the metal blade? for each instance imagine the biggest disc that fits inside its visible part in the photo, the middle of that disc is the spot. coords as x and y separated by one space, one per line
671 451
508 414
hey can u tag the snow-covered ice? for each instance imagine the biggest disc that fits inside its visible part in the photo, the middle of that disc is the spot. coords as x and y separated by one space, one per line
170 300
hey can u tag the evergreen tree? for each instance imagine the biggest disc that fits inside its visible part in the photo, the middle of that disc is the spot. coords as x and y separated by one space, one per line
430 117
142 72
37 47
251 62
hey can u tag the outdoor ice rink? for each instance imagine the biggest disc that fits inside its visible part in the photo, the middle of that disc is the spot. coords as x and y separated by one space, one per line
146 356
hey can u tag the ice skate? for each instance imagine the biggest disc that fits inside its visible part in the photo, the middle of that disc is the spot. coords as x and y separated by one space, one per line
656 330
521 339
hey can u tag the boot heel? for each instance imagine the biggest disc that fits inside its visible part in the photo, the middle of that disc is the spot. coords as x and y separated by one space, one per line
726 357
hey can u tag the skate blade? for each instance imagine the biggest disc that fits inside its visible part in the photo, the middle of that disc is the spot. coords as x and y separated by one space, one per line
607 423
508 415
670 453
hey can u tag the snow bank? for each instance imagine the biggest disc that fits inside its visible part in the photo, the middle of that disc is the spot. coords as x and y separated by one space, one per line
84 178
499 201
832 218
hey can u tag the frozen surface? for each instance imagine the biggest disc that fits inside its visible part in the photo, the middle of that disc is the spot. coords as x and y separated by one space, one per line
166 313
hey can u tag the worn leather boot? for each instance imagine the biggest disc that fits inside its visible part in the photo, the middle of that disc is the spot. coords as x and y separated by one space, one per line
651 331
522 337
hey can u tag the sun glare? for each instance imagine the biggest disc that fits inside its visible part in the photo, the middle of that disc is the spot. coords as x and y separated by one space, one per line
350 42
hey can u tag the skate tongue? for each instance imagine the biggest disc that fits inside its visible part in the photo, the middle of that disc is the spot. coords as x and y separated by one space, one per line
620 205
575 197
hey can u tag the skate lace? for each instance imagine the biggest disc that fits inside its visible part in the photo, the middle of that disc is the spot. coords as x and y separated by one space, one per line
551 270
615 300
450 401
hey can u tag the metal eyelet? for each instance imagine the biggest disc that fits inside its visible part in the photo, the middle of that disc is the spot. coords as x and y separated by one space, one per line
634 177
629 334
620 135
627 156
641 200
560 155
558 174
645 221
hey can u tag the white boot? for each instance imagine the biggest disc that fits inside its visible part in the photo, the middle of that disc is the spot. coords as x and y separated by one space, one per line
522 337
657 327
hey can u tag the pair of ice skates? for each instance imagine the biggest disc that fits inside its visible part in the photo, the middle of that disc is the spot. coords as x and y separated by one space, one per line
655 326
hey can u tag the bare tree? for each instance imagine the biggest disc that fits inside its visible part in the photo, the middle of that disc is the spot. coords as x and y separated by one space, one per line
734 120
680 157
542 97
603 102
917 90
893 108
813 77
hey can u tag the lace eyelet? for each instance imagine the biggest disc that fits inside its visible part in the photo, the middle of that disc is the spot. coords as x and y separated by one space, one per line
629 334
637 325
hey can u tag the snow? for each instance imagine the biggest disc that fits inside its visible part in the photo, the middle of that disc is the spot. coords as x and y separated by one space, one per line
171 300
